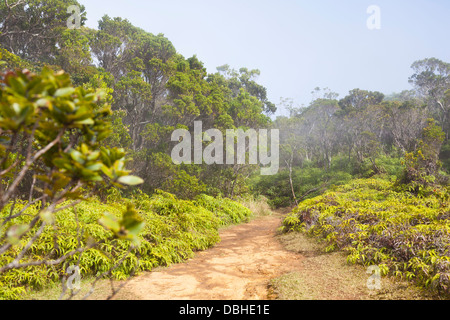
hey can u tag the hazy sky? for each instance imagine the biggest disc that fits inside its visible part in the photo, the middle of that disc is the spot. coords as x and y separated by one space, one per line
297 45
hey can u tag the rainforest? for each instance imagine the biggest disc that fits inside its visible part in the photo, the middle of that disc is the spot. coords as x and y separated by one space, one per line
106 174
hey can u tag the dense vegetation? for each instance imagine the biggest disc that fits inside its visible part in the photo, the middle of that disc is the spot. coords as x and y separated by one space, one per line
174 230
366 133
398 222
377 223
85 129
152 90
87 177
395 214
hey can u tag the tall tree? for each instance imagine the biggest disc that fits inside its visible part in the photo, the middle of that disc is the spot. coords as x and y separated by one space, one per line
358 99
431 79
32 29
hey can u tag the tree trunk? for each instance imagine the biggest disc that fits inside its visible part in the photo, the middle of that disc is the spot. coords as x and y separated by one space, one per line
289 164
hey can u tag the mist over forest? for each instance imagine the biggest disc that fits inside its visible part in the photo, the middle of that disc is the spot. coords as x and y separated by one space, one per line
88 179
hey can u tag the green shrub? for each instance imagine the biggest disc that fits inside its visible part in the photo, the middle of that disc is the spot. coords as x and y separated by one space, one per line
228 211
406 235
52 153
308 183
423 165
445 156
387 165
174 229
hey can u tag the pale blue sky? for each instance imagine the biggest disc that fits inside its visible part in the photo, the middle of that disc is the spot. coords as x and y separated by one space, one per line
297 45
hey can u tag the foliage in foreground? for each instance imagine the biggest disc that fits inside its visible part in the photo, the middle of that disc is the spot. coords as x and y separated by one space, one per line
174 230
52 153
406 235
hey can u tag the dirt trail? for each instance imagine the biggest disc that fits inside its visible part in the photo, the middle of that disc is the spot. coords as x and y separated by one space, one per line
240 267
250 259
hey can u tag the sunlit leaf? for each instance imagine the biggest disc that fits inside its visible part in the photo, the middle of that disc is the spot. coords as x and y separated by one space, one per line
130 180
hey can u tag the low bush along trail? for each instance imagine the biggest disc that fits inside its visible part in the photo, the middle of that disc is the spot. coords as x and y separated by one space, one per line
406 235
174 230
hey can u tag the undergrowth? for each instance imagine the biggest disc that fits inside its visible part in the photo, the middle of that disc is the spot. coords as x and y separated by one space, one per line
407 235
174 230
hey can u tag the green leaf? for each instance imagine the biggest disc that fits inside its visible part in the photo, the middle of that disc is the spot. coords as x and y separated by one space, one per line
84 148
107 172
110 222
64 92
95 167
88 121
77 156
133 233
15 232
43 102
136 228
130 180
93 156
47 216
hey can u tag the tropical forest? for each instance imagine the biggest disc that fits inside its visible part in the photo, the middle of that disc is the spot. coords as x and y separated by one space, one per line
93 205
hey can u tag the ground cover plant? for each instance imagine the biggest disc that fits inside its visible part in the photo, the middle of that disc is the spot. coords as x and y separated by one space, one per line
377 223
87 177
174 229
60 204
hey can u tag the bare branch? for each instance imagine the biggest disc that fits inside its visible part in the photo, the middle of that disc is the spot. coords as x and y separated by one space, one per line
14 265
10 217
33 222
108 273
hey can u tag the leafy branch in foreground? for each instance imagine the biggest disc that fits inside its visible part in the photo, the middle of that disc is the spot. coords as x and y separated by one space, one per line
51 159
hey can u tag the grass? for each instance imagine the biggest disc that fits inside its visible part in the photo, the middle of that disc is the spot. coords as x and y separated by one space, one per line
258 205
52 292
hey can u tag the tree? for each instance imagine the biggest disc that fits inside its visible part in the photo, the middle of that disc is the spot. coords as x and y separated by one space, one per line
133 95
152 89
404 124
32 29
74 55
245 78
10 61
113 44
422 166
431 79
319 117
358 99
